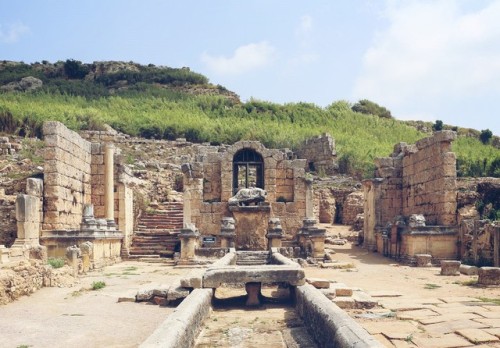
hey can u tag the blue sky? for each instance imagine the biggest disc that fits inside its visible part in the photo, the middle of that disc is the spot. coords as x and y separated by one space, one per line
422 59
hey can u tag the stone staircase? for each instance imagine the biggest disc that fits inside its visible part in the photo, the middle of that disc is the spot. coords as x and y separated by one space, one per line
156 236
251 258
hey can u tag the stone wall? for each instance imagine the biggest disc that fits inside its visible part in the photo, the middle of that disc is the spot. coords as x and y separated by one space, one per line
352 206
320 154
429 179
67 177
419 179
8 220
208 185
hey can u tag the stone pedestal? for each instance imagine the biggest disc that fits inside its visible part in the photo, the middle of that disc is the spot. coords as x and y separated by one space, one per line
450 268
253 293
28 221
189 240
423 260
227 232
316 236
73 254
489 276
274 233
251 226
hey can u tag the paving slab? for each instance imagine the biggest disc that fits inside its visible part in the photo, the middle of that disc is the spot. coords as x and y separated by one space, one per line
477 336
487 314
363 300
447 317
492 308
452 326
489 322
402 306
452 299
447 308
391 329
444 341
416 315
382 339
495 331
403 344
385 293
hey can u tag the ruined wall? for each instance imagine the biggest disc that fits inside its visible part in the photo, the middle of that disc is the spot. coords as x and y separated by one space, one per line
419 179
320 154
8 220
429 179
352 206
67 173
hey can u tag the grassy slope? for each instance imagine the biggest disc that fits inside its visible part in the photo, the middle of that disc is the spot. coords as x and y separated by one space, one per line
149 111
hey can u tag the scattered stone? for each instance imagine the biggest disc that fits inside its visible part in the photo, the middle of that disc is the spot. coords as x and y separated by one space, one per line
318 283
345 302
329 293
177 293
192 282
489 276
468 270
423 260
363 300
341 289
450 267
144 295
336 265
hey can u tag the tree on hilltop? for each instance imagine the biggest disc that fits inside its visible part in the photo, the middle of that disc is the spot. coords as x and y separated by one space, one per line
368 107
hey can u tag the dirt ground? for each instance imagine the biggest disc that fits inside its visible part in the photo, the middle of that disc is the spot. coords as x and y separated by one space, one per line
427 309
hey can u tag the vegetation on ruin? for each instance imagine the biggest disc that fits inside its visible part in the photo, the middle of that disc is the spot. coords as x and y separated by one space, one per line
166 103
97 285
55 262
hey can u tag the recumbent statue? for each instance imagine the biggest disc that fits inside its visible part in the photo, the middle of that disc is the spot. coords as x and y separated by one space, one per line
247 196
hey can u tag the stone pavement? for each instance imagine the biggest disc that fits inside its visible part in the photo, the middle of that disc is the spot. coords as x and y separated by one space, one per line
443 322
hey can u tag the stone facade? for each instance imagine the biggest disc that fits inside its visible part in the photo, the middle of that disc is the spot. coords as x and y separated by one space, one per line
67 177
415 179
210 182
8 222
320 154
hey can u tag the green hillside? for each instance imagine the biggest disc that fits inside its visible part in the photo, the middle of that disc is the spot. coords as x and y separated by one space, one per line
167 103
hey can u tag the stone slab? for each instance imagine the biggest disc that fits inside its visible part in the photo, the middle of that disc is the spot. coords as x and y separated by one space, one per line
477 336
446 318
392 329
215 277
382 339
487 314
444 341
341 289
363 300
402 305
318 283
345 302
452 326
416 315
494 331
468 270
489 322
336 265
459 299
385 293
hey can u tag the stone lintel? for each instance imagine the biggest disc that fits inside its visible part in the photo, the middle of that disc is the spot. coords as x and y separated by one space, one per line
214 278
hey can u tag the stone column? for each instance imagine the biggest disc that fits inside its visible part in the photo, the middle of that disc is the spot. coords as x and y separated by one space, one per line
317 238
109 194
309 199
495 229
369 241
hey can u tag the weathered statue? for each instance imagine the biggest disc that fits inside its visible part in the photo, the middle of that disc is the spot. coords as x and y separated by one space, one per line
247 196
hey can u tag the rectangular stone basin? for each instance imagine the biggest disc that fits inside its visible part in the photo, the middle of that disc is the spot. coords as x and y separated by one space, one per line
281 270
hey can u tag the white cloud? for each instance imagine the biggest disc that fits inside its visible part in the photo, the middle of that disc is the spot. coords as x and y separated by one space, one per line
244 59
432 50
13 32
306 24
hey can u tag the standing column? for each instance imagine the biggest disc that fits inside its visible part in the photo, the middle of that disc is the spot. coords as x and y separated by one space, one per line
109 194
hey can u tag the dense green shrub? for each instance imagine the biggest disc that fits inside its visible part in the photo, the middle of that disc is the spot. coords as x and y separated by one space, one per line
368 107
485 136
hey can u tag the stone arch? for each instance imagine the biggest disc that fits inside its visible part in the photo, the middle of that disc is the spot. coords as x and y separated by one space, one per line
248 169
